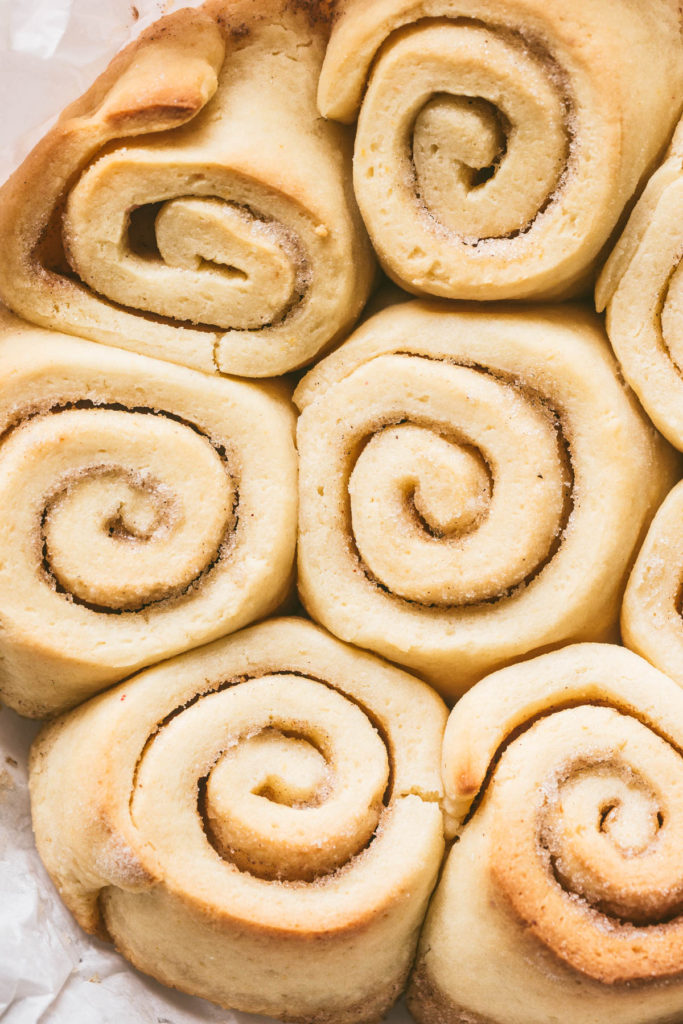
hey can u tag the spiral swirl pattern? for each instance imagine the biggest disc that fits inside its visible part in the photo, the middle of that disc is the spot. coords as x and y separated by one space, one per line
564 781
641 287
267 832
145 512
467 494
652 612
196 242
476 166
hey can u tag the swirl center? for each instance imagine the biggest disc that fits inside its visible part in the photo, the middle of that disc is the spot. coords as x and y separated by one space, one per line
446 515
283 776
481 123
193 251
120 532
458 143
609 837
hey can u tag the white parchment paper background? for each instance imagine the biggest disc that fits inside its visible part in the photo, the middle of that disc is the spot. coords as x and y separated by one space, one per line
50 971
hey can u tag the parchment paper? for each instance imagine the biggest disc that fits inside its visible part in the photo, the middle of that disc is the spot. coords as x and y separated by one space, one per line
50 971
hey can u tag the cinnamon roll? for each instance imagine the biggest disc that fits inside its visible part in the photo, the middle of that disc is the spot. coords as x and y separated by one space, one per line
651 616
498 141
473 486
641 288
192 205
562 896
147 509
256 822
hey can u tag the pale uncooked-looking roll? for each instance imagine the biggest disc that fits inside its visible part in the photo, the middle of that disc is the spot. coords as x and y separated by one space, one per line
561 901
498 141
192 205
146 509
473 485
641 287
256 822
651 615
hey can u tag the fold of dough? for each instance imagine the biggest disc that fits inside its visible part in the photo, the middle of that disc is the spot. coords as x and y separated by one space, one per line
147 509
473 486
256 822
192 205
641 288
498 141
651 615
562 898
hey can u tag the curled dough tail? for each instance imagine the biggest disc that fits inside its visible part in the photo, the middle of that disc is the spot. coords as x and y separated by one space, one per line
641 288
161 215
468 492
260 823
148 508
498 143
564 784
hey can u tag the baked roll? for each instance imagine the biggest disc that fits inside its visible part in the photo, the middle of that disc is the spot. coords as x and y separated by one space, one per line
562 897
473 485
147 509
498 141
641 288
651 622
256 822
193 205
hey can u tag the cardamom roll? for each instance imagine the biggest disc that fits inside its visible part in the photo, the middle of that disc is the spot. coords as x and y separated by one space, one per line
256 822
147 508
192 205
473 486
562 896
651 615
498 141
641 288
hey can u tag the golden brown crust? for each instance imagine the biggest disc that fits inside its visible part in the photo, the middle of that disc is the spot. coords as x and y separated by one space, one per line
189 30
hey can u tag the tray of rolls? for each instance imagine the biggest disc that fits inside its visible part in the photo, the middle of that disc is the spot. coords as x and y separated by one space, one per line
341 647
